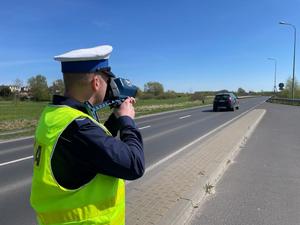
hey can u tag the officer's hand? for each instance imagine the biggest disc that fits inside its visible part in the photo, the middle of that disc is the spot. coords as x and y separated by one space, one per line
126 108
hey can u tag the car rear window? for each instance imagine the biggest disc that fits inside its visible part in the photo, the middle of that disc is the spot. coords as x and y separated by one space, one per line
221 97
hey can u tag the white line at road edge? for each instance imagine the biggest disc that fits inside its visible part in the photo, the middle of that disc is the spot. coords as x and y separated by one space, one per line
144 127
17 139
169 156
17 160
198 139
183 117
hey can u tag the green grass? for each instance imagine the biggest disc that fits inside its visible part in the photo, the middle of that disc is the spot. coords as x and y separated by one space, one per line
17 115
23 116
150 106
14 110
155 105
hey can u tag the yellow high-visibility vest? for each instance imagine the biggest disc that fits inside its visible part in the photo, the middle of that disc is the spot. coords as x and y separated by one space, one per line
101 201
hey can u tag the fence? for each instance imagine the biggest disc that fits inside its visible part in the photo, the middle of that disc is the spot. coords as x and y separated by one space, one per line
286 101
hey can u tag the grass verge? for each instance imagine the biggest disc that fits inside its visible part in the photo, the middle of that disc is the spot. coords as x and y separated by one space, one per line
19 119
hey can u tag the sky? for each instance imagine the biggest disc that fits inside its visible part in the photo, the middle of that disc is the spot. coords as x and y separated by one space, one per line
187 46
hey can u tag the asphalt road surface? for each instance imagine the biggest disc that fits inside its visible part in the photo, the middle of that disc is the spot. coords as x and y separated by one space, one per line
262 186
163 134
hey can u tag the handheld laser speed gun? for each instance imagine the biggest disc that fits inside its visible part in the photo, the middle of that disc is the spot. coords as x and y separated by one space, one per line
118 90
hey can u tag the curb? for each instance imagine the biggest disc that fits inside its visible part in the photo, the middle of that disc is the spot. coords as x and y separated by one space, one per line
212 132
182 212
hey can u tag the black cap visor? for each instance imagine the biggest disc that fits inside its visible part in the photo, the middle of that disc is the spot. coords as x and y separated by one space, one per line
107 71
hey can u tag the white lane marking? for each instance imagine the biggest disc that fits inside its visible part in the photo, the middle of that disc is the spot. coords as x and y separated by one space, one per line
198 139
148 169
144 127
183 117
159 134
16 149
169 156
17 160
18 139
170 112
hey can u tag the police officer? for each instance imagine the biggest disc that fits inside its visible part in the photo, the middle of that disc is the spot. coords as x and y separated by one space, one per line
79 165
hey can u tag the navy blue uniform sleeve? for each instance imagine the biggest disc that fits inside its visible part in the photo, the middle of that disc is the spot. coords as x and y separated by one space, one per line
113 125
110 156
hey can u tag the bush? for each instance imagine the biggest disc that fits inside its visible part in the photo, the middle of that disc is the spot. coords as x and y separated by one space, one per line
198 96
5 91
146 96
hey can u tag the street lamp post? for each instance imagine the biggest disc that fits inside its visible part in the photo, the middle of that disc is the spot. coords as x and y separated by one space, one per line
293 79
275 62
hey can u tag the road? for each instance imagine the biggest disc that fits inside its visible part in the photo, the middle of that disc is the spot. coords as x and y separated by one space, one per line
262 186
163 134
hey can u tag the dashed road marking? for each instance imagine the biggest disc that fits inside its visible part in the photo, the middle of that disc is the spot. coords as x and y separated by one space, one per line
144 127
17 160
183 117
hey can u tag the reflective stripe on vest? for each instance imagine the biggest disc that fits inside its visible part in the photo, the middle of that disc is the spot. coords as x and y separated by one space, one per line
101 201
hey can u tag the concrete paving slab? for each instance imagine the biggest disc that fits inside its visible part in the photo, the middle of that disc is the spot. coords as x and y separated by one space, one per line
170 195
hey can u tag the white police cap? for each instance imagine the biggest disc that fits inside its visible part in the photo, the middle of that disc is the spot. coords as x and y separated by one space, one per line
86 60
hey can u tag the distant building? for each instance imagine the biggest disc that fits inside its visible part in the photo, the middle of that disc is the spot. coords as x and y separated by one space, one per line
25 93
21 92
24 89
14 88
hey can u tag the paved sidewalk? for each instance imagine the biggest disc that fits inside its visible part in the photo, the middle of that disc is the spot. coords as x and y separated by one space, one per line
261 187
169 193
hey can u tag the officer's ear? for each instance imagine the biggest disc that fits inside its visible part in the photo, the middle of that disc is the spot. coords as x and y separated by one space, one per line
96 82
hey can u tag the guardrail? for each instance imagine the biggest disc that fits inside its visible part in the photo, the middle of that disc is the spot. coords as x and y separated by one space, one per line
247 96
286 101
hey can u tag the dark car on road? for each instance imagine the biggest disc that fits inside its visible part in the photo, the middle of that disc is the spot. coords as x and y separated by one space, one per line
225 101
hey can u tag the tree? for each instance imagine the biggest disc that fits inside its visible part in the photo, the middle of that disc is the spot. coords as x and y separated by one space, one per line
39 88
287 92
223 91
18 83
5 91
252 92
241 91
58 87
139 93
154 88
198 96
